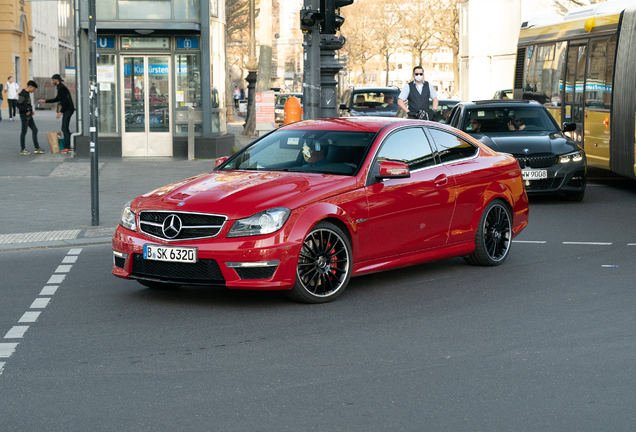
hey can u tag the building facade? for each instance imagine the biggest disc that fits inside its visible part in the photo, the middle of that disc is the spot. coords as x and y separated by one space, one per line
156 59
16 42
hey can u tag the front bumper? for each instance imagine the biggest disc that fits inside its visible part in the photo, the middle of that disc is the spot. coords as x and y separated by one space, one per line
255 263
562 178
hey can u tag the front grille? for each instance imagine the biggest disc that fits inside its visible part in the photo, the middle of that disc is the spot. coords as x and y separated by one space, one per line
256 272
193 225
203 271
536 161
119 262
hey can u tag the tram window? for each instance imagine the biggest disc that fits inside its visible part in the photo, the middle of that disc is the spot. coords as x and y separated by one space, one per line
543 72
595 83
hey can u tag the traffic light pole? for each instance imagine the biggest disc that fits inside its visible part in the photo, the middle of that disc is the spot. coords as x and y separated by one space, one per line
329 67
311 69
92 54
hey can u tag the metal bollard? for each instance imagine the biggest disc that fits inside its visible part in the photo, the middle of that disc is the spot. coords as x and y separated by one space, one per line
190 133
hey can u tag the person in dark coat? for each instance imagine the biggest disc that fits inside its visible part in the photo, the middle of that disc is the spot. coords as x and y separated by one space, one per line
67 108
26 115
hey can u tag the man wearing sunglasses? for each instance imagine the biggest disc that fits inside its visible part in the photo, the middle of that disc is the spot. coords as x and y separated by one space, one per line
417 93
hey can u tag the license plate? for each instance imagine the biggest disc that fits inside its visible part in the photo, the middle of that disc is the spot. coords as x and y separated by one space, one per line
534 174
170 254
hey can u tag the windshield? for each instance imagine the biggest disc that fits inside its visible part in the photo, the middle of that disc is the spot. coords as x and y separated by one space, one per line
324 152
375 100
508 119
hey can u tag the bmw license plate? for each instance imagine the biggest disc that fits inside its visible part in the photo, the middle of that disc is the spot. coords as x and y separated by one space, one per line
534 174
170 253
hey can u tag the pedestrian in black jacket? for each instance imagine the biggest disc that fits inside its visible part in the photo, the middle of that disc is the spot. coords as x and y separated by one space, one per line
67 108
26 115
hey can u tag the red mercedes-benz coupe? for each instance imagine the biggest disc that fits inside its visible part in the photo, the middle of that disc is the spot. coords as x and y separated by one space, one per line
311 204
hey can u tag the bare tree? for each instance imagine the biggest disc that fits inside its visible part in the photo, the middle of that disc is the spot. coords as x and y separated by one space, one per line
386 40
360 32
447 31
418 23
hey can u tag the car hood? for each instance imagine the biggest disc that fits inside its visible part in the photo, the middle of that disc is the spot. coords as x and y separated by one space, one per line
240 194
533 142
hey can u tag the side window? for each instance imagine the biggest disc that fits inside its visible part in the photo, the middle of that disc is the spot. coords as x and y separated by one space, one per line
454 116
409 146
451 147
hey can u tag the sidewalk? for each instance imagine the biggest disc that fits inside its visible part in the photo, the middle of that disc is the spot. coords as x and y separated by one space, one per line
45 199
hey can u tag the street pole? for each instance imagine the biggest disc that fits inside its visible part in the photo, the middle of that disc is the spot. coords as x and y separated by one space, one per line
311 68
249 128
329 67
92 42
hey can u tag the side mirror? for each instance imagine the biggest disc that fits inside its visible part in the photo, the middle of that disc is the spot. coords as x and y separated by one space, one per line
569 127
343 106
393 170
219 161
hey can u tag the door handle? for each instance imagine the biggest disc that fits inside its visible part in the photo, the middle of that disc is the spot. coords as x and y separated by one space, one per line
441 180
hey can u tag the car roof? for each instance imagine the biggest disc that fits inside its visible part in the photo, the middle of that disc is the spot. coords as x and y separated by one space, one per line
354 124
502 103
375 89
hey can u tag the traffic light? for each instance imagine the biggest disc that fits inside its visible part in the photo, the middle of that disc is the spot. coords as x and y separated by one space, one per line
332 21
309 19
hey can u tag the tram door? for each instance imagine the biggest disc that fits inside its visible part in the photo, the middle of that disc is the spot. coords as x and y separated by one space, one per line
145 100
574 90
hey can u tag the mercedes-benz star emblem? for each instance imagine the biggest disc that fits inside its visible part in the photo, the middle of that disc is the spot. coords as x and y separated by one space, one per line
171 226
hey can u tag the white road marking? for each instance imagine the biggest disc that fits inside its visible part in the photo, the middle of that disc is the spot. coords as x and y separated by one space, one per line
63 269
528 241
16 332
1 367
29 317
6 349
588 243
74 251
56 279
69 259
40 303
49 290
631 244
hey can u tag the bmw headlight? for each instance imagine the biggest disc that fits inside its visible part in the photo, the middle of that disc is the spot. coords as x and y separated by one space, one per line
127 219
571 157
265 222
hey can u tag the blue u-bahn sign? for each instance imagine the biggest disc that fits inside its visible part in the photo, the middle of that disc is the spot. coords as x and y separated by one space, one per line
187 43
107 42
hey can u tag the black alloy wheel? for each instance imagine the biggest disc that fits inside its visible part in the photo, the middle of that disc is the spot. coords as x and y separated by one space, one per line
324 265
493 237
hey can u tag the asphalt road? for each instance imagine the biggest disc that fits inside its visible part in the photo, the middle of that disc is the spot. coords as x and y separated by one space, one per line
543 342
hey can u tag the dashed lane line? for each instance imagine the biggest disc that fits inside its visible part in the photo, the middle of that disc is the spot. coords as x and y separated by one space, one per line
7 349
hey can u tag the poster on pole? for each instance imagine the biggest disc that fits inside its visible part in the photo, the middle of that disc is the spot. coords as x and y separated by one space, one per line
264 107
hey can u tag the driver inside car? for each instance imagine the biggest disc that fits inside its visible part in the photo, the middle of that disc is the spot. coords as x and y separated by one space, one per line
314 154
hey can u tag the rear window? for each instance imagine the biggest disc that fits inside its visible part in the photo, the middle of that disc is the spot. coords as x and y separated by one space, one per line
283 98
508 119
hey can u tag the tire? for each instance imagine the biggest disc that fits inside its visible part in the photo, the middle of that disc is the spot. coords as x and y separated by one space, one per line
493 237
575 196
324 265
158 285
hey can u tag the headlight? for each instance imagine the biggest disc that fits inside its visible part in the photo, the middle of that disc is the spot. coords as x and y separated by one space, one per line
265 222
571 157
279 111
127 219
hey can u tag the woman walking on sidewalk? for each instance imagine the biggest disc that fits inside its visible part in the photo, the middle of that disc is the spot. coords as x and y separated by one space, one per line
26 115
12 89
